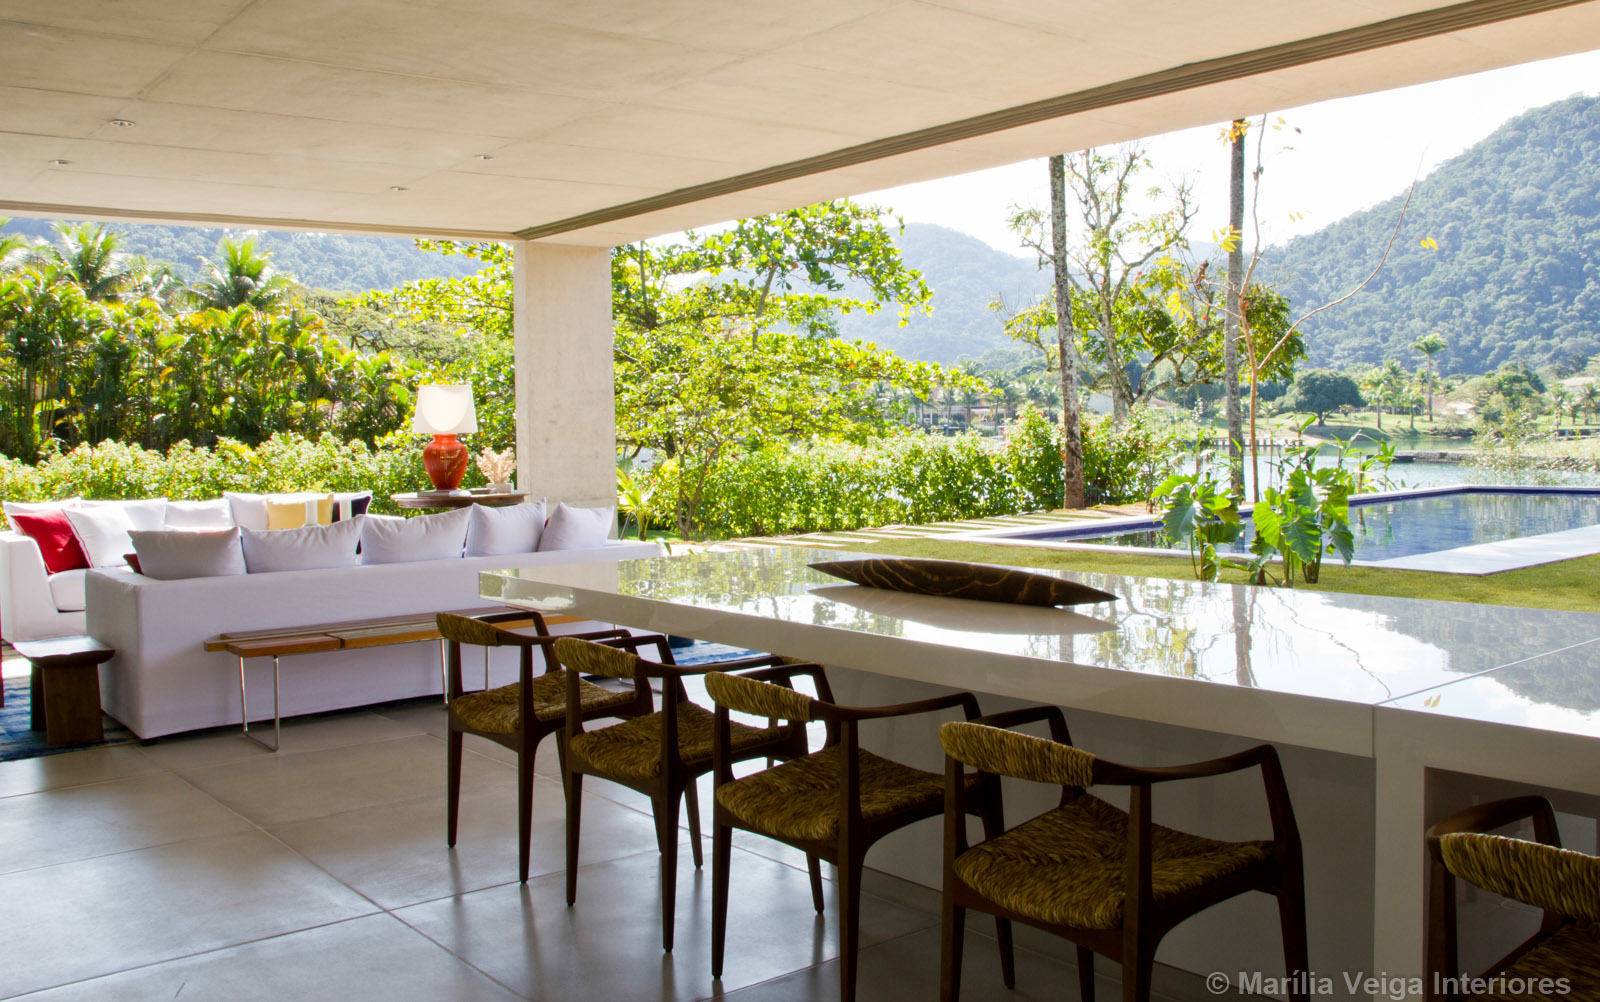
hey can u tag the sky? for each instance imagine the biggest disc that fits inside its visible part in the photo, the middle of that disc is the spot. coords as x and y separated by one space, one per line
1328 171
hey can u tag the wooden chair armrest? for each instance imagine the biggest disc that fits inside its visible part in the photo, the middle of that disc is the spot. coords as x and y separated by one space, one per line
1127 775
1028 715
1498 814
965 700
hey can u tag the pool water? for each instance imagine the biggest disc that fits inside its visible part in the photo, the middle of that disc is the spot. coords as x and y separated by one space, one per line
1406 526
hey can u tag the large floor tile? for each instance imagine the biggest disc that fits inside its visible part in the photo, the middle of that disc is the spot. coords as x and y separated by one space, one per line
56 826
395 853
97 916
278 789
908 968
609 944
76 768
375 958
187 753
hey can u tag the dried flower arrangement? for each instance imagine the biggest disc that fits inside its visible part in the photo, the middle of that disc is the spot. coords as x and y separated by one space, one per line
498 466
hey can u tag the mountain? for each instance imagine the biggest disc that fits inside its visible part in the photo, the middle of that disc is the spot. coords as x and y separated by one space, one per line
965 275
1516 272
333 261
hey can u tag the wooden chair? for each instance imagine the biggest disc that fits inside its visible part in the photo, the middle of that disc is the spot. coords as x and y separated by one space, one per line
521 714
1110 881
832 804
1562 883
660 754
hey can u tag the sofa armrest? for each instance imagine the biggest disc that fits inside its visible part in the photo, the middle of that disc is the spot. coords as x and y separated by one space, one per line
25 600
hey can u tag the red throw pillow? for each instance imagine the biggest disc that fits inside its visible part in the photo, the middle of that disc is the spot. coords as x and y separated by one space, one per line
57 544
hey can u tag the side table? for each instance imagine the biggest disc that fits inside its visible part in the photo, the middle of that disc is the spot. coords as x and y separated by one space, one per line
460 499
65 687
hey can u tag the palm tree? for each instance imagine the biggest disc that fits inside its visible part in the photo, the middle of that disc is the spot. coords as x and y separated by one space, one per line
1430 345
243 277
87 255
1591 400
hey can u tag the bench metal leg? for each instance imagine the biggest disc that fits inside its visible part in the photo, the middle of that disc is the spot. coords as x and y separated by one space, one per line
244 709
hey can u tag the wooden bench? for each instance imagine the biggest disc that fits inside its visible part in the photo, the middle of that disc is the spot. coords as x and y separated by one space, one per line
281 643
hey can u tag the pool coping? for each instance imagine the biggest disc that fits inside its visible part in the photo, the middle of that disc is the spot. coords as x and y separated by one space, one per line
1470 561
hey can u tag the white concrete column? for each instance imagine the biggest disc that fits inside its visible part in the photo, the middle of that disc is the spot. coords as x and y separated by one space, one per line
566 422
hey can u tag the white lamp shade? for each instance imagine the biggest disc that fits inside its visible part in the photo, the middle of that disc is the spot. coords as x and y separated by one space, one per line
444 409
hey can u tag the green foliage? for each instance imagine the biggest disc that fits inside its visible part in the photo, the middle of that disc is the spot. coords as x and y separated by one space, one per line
284 462
913 478
1201 515
1308 516
1515 274
1318 391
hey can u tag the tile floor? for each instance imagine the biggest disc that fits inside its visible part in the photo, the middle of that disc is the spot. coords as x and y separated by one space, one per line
204 867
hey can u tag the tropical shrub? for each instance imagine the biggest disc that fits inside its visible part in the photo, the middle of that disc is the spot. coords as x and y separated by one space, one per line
284 462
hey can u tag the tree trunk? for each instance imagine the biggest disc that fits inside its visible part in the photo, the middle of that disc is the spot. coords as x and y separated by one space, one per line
1071 434
1430 391
1235 302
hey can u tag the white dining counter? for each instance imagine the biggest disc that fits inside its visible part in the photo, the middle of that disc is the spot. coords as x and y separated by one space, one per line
1368 695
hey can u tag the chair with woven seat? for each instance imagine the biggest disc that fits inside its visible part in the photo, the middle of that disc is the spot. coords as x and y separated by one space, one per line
1111 881
1564 884
660 754
499 714
831 804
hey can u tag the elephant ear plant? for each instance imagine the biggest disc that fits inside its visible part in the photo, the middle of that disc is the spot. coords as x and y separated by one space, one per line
1295 524
1200 515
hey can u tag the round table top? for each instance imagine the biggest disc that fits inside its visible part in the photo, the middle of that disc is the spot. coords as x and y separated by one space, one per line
460 499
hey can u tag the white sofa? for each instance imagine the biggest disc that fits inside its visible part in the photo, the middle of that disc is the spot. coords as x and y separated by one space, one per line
35 605
162 681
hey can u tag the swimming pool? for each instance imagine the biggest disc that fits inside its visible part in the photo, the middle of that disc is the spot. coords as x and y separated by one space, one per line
1402 524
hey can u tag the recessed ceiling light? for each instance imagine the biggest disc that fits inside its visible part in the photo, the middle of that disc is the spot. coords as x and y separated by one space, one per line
121 123
398 187
60 163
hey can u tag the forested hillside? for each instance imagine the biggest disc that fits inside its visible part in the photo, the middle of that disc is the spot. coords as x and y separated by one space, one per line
1517 271
333 261
965 274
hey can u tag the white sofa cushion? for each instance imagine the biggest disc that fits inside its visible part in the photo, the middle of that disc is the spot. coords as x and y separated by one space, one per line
512 529
577 528
171 554
102 531
145 513
38 507
310 548
213 514
66 590
386 539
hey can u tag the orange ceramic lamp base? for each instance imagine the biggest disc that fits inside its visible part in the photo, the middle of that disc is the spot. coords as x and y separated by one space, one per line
445 459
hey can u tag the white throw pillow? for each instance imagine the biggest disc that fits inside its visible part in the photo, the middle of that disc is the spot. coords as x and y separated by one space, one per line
515 528
102 531
310 548
250 510
213 514
169 554
577 528
386 539
38 507
146 513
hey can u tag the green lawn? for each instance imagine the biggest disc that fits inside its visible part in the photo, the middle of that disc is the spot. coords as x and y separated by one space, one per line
1570 584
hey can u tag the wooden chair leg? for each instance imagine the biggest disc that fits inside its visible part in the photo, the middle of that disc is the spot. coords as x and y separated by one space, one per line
993 827
814 870
1085 974
667 841
452 785
721 856
1137 965
574 816
849 924
1292 919
691 800
952 932
524 811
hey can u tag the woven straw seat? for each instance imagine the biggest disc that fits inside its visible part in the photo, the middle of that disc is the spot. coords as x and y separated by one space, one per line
1563 884
496 711
1572 953
800 799
632 749
1069 866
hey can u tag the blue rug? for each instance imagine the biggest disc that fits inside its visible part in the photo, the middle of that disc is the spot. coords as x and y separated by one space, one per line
17 741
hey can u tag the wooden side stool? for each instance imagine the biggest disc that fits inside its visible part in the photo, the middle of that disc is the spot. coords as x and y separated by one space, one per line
65 687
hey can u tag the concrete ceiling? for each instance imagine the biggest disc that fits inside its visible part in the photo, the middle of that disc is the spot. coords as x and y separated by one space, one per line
610 120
